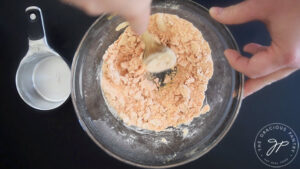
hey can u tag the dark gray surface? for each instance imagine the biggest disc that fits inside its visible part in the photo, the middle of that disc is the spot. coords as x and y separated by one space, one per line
54 139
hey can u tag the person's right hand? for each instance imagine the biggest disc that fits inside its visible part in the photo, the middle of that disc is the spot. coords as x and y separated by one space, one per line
268 63
136 12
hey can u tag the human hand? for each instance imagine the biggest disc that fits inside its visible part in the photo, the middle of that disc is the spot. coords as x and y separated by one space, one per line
268 63
136 12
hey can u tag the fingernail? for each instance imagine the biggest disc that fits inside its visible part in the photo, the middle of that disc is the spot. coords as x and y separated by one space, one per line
215 10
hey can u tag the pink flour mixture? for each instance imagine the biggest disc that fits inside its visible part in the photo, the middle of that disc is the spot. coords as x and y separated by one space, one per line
137 100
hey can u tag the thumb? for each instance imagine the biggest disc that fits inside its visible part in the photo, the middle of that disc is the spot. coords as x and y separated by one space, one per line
240 13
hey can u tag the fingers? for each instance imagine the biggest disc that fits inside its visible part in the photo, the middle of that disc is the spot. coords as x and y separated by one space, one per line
254 48
137 13
240 13
262 63
253 85
264 67
139 21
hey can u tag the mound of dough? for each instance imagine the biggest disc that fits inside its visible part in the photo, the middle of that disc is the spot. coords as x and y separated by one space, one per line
137 99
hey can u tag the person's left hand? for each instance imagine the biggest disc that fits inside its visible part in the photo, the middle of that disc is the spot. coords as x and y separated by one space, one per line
268 63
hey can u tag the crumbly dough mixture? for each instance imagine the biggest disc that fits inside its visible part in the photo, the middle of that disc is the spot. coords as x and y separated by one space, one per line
137 99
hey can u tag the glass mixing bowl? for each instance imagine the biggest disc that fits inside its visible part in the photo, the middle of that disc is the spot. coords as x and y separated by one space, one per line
168 148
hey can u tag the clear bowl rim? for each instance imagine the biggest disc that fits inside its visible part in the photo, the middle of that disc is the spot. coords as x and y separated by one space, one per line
212 145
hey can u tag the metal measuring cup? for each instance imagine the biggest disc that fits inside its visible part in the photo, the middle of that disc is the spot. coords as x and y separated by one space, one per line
43 78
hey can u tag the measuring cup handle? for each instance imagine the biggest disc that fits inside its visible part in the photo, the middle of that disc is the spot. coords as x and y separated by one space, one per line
35 23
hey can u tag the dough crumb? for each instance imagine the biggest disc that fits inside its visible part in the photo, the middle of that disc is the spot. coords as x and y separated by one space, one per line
136 98
164 140
185 132
122 26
